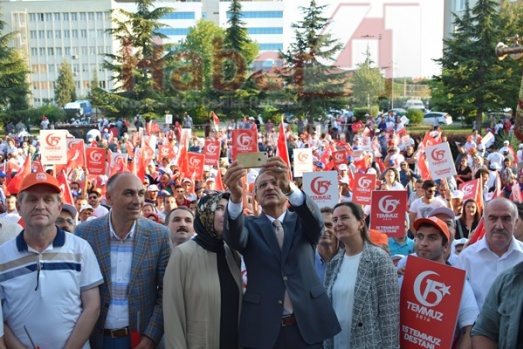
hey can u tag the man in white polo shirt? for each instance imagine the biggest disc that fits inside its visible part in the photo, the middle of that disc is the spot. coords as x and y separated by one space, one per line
48 278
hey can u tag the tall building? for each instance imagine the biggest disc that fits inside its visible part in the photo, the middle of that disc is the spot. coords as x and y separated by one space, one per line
51 31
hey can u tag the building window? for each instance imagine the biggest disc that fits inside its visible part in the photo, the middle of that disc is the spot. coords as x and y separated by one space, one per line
85 67
58 51
34 51
74 16
50 51
49 17
32 34
51 68
77 84
40 17
100 50
179 15
36 85
259 14
92 33
83 33
58 34
42 68
57 16
74 50
32 17
34 68
49 34
173 31
103 84
268 30
66 17
82 16
76 68
42 51
84 50
100 33
460 5
99 16
90 16
270 47
67 51
75 33
67 34
86 84
92 51
41 34
108 49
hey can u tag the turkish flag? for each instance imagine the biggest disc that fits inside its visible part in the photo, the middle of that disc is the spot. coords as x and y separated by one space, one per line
215 119
357 126
423 166
195 164
219 183
67 198
14 184
479 233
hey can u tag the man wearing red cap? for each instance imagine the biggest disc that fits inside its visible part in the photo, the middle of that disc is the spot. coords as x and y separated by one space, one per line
44 271
432 243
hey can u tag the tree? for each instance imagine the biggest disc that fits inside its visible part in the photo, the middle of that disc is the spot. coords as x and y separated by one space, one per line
139 64
313 86
65 90
472 78
14 88
367 83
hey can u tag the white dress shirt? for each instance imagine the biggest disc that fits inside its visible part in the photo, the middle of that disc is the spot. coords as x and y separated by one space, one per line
483 265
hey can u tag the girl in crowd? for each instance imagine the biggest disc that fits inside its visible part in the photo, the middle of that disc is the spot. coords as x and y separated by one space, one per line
392 179
362 283
468 221
202 284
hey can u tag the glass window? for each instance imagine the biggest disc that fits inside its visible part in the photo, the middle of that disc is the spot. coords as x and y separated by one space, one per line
77 84
49 17
92 51
51 68
90 16
67 51
259 14
50 51
270 47
268 30
66 16
179 15
57 16
34 68
32 34
74 16
86 84
92 33
76 68
100 33
43 68
57 34
103 84
84 50
34 51
32 17
82 16
58 51
67 34
42 51
75 33
41 34
101 50
99 16
49 34
74 50
83 33
173 31
85 67
40 17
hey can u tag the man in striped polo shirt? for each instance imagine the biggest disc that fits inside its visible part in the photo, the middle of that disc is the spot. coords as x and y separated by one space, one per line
48 279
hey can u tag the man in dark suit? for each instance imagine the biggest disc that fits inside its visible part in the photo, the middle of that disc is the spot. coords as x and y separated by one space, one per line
285 304
133 253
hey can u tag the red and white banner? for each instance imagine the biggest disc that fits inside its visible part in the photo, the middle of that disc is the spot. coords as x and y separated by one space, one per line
117 162
165 151
364 185
441 163
244 141
388 212
302 161
73 141
195 165
322 187
211 150
429 304
339 157
53 147
470 189
95 159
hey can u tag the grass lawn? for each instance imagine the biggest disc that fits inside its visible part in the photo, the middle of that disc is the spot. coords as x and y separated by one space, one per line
455 129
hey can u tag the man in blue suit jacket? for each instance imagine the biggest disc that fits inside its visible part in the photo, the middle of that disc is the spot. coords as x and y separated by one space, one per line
268 319
133 253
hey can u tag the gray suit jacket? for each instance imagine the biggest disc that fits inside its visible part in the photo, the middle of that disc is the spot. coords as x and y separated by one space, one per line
271 270
376 313
152 249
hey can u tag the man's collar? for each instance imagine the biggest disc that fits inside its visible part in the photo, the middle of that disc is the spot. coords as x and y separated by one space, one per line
59 240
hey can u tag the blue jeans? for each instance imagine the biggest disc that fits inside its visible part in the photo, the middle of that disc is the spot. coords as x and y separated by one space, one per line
117 343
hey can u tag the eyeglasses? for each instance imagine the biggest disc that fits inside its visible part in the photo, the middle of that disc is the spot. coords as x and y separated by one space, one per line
430 191
60 220
93 197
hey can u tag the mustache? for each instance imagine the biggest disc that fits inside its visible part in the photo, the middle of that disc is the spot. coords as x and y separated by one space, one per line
182 229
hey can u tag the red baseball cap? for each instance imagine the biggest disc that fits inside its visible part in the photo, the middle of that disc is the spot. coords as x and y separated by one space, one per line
435 222
38 178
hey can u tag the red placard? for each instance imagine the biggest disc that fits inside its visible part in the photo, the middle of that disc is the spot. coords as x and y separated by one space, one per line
363 187
469 189
429 303
244 141
211 150
96 158
388 212
195 164
339 157
166 151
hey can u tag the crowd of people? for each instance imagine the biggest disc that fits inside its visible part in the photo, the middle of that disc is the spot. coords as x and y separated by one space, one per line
245 258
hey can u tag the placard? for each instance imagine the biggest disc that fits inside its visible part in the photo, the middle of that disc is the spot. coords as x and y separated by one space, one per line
339 157
302 161
211 150
388 212
169 119
95 159
244 141
429 304
322 187
364 185
440 161
53 147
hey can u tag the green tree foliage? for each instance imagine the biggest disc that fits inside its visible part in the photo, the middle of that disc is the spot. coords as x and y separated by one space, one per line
14 88
140 62
415 116
65 90
367 83
473 81
313 87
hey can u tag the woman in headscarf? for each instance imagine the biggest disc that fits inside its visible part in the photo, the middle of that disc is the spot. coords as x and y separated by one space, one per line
202 285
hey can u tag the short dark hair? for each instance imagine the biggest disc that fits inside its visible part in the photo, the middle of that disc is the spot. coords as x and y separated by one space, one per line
357 211
429 183
326 209
168 216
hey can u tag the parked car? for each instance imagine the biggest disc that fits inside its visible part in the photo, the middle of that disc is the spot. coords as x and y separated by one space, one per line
397 111
443 118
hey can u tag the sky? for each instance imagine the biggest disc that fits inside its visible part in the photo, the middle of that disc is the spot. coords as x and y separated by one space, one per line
403 36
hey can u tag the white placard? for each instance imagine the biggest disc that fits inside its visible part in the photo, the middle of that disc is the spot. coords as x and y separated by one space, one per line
302 161
53 147
169 119
440 161
322 187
